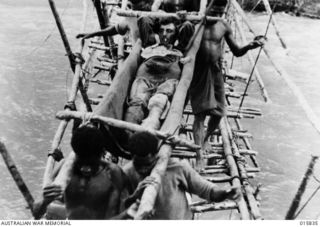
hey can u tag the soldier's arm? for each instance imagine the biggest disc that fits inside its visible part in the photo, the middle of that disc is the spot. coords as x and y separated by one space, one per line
109 31
120 28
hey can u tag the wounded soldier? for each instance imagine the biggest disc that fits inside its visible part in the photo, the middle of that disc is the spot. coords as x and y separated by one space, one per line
159 73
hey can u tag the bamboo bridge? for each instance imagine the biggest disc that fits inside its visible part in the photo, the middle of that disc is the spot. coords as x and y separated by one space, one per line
99 67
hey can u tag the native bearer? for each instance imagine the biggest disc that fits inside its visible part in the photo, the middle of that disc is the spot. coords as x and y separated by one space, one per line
207 87
96 188
123 24
171 202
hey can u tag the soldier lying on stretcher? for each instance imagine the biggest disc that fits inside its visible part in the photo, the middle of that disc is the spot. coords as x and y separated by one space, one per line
123 25
159 73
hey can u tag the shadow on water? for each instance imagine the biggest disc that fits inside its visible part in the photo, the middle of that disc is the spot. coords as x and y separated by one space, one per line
33 86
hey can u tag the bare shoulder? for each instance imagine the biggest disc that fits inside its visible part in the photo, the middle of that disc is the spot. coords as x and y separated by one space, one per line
128 167
114 169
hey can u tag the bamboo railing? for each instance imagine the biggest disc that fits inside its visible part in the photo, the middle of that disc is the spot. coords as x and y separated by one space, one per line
102 22
188 17
312 117
108 114
124 4
263 90
274 23
76 84
110 106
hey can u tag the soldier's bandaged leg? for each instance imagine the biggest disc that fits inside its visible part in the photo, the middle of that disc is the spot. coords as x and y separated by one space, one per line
157 106
137 105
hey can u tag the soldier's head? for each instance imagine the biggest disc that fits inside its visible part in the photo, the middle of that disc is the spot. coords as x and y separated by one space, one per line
168 31
144 149
218 8
88 144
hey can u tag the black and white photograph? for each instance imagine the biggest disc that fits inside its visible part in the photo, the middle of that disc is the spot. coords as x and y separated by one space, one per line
159 110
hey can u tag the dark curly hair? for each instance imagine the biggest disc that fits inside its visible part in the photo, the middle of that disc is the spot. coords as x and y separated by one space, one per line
143 143
169 20
220 3
87 141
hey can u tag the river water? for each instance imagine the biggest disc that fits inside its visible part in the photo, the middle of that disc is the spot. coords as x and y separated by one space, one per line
35 76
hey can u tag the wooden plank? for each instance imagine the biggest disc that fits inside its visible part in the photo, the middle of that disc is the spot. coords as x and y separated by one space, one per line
236 75
102 22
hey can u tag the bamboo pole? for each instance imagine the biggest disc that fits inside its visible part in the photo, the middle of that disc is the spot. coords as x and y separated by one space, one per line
16 176
312 117
296 201
224 179
241 134
62 33
252 61
192 155
274 23
171 124
247 143
160 14
216 166
243 209
67 115
203 7
121 41
243 173
113 97
228 205
102 22
229 114
246 21
225 170
232 74
110 38
75 66
47 178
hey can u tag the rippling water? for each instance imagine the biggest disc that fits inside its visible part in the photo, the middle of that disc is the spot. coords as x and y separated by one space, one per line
33 85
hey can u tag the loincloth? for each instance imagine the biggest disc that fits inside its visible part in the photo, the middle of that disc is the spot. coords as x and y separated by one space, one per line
207 93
